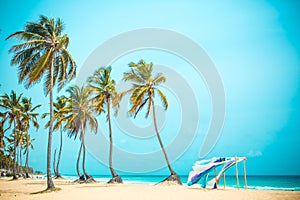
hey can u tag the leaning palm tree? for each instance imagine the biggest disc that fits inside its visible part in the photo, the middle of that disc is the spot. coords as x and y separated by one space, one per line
80 117
27 145
12 113
2 142
59 114
43 52
29 117
58 118
2 136
104 90
145 86
20 145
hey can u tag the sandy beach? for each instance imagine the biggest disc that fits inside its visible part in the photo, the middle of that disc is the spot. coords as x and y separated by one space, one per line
26 189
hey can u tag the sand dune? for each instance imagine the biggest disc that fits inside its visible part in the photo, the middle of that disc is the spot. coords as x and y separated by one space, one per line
24 189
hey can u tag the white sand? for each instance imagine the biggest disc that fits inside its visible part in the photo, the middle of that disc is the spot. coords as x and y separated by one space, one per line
23 189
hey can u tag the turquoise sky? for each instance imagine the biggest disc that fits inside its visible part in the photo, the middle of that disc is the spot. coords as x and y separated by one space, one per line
255 46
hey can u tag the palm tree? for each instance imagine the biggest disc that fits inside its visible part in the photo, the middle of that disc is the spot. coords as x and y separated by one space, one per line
143 93
43 52
58 118
10 152
80 117
29 114
27 144
2 136
19 146
29 117
12 113
59 114
104 90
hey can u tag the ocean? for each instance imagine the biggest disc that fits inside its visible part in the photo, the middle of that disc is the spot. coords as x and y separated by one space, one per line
284 183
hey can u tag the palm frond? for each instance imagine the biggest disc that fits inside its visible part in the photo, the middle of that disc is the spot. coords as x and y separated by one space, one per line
149 107
41 65
159 78
142 91
163 98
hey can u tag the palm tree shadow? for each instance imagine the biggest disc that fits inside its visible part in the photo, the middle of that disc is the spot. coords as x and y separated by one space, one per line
46 191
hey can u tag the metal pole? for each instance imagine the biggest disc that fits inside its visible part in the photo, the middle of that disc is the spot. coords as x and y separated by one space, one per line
216 177
237 173
245 176
224 179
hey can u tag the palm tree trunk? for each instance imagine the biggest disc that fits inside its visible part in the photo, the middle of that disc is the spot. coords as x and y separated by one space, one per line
54 160
50 184
77 164
15 152
26 163
159 140
59 154
87 176
17 159
20 151
113 173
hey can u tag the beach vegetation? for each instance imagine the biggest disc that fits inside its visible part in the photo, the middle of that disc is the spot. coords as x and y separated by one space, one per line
80 116
43 53
145 87
104 98
18 113
59 119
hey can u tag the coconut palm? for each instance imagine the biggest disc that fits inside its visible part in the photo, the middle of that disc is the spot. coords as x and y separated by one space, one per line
29 117
2 136
59 114
19 147
145 86
27 145
12 113
80 117
43 52
104 90
58 118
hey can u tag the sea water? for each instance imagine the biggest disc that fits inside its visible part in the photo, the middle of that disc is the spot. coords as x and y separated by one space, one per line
287 183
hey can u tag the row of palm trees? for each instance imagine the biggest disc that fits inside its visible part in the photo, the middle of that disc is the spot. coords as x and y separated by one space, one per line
18 114
43 55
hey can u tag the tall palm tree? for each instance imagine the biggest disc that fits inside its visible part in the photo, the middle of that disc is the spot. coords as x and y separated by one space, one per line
43 52
29 114
29 117
10 150
19 146
2 136
145 86
12 112
27 144
58 118
59 114
104 90
80 118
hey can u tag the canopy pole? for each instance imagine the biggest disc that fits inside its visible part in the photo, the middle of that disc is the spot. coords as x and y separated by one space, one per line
216 177
237 173
224 179
245 176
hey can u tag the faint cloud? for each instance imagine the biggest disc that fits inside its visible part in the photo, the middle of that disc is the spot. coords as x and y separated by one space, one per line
254 153
123 141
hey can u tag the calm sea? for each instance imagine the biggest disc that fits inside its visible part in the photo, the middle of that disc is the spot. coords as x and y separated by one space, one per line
288 183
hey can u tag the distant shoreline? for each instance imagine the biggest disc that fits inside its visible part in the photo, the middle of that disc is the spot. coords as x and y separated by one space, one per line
255 182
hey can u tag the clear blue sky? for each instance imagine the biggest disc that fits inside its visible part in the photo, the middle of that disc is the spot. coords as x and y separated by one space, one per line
255 46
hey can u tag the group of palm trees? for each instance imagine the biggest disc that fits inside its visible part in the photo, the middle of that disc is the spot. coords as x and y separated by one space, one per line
43 55
19 114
